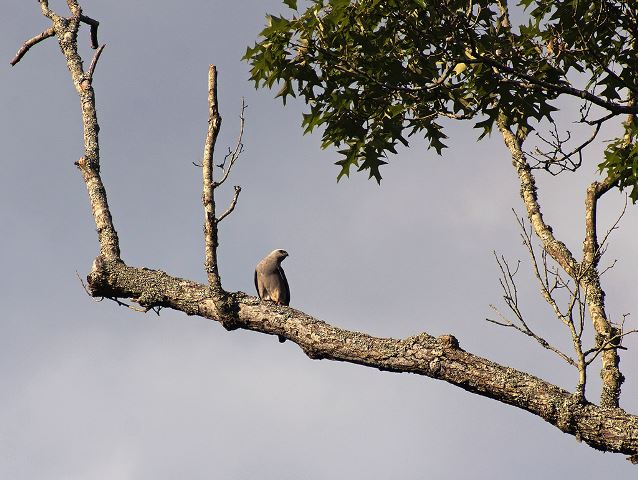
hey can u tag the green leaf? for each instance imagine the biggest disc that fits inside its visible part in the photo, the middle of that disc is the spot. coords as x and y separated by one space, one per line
374 72
291 4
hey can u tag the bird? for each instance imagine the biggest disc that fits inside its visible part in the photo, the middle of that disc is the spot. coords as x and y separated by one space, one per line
270 280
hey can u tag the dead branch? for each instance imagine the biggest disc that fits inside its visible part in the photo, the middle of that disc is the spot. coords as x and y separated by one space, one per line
604 428
523 328
557 159
233 203
612 343
94 25
96 57
614 226
236 152
49 32
208 196
510 295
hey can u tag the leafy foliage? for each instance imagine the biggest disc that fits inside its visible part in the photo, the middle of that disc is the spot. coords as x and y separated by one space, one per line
621 160
376 72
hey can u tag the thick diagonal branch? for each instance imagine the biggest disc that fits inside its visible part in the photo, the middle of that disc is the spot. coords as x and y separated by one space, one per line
208 195
439 358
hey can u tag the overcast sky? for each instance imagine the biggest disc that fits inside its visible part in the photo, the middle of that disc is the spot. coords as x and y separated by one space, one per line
94 391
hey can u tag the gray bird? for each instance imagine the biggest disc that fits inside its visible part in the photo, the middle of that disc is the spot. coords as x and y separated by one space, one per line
270 280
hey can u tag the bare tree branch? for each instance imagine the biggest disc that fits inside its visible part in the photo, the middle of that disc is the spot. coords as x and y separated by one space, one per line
94 25
524 328
233 203
49 32
557 156
89 164
96 57
237 151
440 358
208 196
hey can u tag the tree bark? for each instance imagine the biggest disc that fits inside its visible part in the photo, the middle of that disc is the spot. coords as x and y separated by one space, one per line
442 358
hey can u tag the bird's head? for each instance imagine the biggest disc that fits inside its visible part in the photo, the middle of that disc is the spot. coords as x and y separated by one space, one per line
279 254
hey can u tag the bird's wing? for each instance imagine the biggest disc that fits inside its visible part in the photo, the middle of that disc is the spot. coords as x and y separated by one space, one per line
257 285
285 295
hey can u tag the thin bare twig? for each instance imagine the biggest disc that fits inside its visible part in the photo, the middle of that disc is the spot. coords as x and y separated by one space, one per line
611 229
114 299
86 289
527 331
611 343
232 204
557 156
49 32
237 151
96 57
132 307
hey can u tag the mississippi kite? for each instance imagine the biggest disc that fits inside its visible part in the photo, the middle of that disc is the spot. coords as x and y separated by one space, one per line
270 280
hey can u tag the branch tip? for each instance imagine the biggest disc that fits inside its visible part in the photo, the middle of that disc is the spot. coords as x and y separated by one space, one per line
49 32
94 26
96 57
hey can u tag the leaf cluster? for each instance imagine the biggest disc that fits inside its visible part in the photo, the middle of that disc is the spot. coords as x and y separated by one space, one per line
374 73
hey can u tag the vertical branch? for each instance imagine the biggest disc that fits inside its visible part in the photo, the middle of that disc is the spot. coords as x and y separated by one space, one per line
44 6
595 297
66 31
606 334
208 195
585 274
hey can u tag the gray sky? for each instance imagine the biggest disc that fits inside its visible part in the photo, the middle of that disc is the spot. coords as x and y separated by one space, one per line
94 391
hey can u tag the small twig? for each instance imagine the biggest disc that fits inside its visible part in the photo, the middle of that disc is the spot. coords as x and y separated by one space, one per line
97 300
96 57
237 151
613 227
119 302
608 344
94 24
49 32
595 122
609 267
232 205
132 307
526 330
